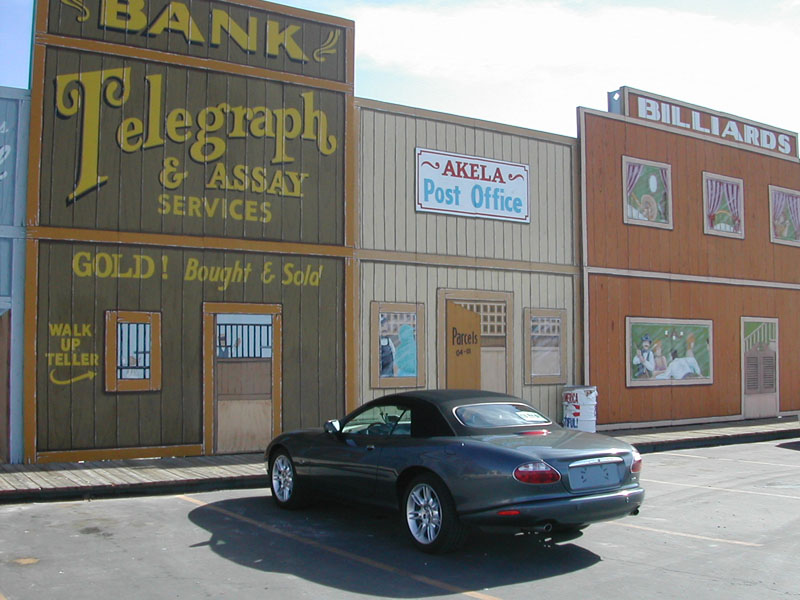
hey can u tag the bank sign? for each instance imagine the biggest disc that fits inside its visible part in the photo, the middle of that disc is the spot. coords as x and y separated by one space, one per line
470 186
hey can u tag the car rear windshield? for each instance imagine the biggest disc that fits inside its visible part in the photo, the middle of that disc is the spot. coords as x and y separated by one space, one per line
496 414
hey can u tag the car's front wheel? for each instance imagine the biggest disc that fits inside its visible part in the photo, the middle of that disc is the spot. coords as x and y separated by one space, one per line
286 487
430 516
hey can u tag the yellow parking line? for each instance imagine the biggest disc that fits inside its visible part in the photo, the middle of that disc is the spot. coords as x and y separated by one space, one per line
688 535
722 489
343 553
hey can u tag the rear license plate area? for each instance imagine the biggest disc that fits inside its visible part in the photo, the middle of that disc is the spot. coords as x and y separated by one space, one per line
591 477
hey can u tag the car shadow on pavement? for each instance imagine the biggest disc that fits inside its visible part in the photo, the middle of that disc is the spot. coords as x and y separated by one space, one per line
364 551
790 446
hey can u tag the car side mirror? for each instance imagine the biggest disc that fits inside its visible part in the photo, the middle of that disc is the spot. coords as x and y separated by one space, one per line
333 426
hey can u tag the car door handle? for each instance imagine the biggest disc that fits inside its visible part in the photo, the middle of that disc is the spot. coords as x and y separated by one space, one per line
370 447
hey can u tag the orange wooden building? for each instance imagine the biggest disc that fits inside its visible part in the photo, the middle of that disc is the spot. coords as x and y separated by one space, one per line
691 235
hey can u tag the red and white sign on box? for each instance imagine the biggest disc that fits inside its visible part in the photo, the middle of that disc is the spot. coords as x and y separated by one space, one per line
471 186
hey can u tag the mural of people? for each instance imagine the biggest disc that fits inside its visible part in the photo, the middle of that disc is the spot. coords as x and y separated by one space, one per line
387 348
660 359
682 367
387 357
669 351
644 359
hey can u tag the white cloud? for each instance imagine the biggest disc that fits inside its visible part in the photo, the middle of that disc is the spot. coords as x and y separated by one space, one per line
546 58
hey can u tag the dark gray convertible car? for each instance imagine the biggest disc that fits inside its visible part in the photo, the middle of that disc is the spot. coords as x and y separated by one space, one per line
451 459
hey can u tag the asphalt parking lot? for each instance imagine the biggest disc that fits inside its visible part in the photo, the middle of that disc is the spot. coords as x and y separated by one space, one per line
717 523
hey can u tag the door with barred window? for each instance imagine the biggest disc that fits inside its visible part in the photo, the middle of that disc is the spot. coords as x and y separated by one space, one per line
244 373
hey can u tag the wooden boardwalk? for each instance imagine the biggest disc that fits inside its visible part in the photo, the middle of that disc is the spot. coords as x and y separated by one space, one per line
54 481
61 481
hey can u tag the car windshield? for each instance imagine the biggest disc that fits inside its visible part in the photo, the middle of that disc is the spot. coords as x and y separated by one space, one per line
497 414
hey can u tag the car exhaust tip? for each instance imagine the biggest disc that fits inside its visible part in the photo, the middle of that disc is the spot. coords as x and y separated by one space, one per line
543 528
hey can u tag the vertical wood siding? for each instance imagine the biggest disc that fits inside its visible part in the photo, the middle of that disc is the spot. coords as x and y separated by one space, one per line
84 416
390 224
615 298
418 283
685 249
387 190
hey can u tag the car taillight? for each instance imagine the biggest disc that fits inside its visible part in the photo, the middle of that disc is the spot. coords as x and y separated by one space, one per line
636 466
536 472
535 432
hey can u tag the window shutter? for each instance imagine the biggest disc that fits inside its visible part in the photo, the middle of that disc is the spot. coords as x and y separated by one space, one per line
768 383
751 379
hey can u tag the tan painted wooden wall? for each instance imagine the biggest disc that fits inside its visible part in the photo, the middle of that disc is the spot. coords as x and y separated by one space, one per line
388 136
407 257
419 283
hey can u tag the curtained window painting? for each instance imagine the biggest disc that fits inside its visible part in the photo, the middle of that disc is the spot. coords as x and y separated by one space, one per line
647 191
784 214
723 206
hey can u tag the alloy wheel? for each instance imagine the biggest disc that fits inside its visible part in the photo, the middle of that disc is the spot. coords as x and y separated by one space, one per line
282 478
424 513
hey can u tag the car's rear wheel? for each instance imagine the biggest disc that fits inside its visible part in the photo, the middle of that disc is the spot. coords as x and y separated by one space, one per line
286 487
430 516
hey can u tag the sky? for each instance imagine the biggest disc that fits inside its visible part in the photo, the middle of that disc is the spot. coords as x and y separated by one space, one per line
530 63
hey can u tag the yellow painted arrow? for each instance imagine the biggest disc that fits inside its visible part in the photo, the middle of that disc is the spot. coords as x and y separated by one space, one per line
87 375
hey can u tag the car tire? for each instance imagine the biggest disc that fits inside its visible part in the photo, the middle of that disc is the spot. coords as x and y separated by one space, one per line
287 489
430 517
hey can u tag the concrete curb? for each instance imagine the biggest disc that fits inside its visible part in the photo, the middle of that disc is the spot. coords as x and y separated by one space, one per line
707 441
96 492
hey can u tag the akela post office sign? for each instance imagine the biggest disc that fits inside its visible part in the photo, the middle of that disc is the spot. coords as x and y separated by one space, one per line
472 186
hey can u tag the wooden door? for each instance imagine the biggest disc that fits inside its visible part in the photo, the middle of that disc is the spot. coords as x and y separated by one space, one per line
760 368
246 367
243 398
463 342
493 369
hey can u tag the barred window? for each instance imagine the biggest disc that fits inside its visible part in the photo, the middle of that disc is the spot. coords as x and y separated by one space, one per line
132 351
243 340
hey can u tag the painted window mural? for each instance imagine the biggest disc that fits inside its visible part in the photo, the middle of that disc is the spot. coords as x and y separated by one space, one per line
132 351
669 352
397 335
723 205
648 192
784 213
545 357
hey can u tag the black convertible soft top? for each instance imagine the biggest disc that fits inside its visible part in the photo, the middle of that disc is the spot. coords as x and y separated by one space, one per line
444 422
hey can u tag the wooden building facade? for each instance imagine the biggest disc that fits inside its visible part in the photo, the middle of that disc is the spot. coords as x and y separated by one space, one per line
456 291
14 111
190 226
691 234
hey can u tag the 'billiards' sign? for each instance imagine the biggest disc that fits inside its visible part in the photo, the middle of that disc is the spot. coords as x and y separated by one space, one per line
471 186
